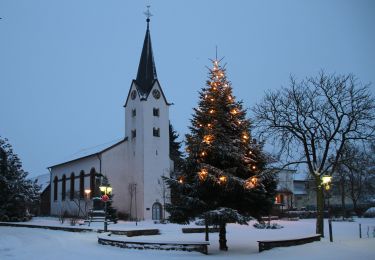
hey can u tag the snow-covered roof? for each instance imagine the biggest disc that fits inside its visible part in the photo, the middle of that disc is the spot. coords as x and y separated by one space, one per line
86 152
42 180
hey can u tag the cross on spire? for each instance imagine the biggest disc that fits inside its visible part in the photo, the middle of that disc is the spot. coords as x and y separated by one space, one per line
148 14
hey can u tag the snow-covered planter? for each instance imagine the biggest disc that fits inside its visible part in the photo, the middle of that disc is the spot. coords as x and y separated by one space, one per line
370 213
267 226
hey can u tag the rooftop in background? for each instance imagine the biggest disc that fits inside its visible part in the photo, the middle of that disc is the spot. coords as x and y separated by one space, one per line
42 180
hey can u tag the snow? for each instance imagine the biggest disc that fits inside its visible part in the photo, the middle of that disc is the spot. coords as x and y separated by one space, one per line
42 180
33 243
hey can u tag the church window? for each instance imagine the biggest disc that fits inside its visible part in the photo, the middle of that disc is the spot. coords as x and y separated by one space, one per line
92 182
63 189
82 184
156 111
156 132
72 177
55 183
134 133
156 211
134 112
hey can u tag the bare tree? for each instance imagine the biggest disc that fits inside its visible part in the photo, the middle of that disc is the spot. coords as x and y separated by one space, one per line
312 120
356 172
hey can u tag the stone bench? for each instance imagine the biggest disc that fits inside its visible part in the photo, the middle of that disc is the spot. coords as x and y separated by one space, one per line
201 247
269 244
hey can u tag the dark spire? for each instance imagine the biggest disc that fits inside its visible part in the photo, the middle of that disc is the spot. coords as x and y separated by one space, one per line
146 69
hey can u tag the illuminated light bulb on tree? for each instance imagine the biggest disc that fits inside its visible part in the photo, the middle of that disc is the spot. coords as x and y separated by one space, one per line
233 111
245 137
200 125
181 180
253 167
203 153
222 179
212 111
207 139
251 183
229 97
209 125
203 174
212 99
250 152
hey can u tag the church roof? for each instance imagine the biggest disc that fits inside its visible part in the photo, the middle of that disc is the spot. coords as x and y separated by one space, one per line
91 151
146 69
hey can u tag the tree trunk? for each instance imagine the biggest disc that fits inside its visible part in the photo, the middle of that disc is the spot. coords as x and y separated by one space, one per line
222 237
320 209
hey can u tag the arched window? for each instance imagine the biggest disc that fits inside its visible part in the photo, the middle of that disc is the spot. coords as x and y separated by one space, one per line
55 182
92 182
63 189
72 177
82 185
156 211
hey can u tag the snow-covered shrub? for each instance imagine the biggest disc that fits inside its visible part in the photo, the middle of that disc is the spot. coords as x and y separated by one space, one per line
370 213
14 219
267 226
4 218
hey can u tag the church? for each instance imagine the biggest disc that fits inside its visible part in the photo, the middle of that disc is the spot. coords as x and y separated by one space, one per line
133 165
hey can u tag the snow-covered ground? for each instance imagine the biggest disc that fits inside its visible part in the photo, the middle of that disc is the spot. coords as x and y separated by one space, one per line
33 243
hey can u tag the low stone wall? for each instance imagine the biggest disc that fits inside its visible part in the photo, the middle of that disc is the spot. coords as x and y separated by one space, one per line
199 230
69 229
140 232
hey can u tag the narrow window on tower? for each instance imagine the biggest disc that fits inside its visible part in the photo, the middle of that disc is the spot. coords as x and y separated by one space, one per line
134 133
156 132
156 111
134 112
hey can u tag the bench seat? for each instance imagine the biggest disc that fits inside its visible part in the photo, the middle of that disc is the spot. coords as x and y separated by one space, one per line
201 247
269 244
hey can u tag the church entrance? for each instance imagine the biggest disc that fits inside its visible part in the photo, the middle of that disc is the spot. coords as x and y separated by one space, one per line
156 211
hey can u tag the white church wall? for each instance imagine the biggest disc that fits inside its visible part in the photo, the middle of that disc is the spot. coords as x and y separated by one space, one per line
156 150
135 154
116 168
85 164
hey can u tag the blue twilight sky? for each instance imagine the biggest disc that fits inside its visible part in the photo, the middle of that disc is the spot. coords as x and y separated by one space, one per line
66 66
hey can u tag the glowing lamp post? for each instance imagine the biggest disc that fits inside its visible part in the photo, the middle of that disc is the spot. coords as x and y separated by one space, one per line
326 182
106 190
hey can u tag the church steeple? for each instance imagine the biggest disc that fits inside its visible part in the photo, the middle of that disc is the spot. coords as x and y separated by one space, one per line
146 69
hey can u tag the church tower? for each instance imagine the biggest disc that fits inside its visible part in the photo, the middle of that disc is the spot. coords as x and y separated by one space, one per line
147 133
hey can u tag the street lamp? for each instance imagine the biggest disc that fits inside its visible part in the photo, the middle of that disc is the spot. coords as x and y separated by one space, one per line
326 182
107 190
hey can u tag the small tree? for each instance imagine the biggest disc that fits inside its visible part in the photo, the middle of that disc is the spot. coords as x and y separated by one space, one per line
111 211
17 194
223 179
312 120
175 149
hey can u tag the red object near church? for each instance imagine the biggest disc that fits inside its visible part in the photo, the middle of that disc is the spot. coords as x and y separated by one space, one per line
105 198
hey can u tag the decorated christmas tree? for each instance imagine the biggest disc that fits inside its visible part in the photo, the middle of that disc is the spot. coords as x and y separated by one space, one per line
224 178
